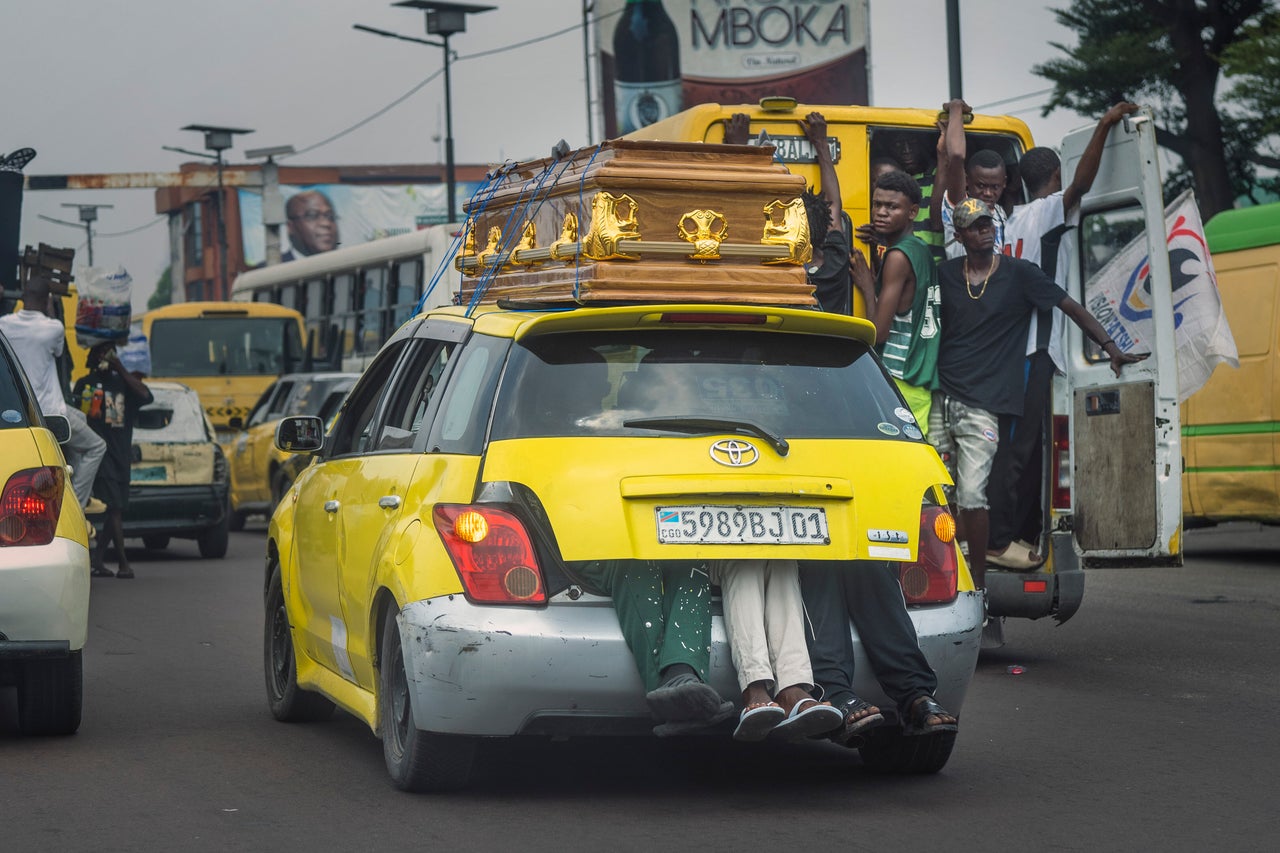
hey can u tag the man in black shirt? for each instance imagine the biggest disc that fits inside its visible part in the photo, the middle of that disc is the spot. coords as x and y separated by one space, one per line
987 303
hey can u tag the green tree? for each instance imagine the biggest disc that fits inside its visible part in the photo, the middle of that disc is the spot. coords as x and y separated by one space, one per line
1252 64
164 291
1168 54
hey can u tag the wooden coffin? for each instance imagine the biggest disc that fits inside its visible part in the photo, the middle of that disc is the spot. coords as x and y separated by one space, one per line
633 221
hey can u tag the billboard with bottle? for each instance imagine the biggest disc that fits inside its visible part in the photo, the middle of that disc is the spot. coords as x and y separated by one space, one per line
658 57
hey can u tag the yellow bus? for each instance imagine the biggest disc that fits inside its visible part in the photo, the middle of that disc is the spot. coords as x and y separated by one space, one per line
228 352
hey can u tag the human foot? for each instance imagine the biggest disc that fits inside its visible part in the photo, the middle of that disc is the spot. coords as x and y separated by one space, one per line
684 697
859 715
925 716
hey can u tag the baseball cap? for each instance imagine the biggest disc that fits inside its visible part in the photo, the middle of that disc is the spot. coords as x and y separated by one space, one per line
969 211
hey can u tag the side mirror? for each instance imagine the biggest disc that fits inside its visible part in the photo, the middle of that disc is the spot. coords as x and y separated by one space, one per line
300 434
236 422
59 426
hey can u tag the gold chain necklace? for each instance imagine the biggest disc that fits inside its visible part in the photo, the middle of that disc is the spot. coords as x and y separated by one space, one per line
995 261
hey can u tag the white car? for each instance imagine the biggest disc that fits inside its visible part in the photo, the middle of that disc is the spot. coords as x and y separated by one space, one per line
44 562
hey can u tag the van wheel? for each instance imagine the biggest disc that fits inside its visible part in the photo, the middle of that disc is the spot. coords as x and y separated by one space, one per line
155 542
888 750
289 703
50 694
417 760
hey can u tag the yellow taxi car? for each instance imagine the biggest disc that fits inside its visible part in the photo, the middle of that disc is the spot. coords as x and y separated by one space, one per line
44 562
428 572
259 476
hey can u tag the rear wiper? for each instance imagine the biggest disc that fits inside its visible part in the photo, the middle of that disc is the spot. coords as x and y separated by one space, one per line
697 425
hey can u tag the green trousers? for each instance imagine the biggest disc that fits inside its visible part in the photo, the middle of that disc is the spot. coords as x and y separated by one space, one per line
664 610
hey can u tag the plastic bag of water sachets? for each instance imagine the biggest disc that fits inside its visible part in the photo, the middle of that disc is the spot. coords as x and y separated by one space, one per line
104 309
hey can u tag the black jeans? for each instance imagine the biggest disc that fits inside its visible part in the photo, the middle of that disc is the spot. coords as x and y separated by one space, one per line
1014 491
868 592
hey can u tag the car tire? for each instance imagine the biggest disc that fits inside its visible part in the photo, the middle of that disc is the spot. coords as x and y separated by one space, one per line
289 703
888 750
280 484
213 542
50 695
235 522
416 760
155 542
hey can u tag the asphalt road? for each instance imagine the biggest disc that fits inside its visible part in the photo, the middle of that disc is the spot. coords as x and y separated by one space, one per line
1148 722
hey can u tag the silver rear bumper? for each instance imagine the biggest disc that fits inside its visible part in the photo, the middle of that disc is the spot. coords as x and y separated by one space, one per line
565 669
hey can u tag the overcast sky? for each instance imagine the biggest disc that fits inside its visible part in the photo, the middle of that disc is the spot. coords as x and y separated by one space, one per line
100 85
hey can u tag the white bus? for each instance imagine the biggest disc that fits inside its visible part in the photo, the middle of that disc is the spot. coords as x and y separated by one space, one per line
353 299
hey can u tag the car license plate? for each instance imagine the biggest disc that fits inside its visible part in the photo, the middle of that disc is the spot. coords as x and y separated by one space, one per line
709 524
148 474
798 149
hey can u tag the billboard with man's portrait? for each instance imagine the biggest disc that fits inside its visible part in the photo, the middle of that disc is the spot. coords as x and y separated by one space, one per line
322 217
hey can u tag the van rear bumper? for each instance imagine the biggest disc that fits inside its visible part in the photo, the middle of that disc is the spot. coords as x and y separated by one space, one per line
1055 589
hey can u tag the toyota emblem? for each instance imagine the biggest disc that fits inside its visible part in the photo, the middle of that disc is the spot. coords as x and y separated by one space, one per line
734 453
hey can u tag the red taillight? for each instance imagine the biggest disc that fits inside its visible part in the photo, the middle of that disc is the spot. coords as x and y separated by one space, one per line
493 554
931 579
1061 471
29 506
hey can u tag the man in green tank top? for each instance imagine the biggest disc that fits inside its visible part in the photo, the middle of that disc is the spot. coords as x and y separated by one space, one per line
903 300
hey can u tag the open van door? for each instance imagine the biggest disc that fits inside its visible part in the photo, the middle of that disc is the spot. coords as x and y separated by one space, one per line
1126 448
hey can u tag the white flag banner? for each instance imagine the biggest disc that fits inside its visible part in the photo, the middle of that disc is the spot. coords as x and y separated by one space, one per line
1120 296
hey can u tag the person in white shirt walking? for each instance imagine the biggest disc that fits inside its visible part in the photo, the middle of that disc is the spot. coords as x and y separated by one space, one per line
37 340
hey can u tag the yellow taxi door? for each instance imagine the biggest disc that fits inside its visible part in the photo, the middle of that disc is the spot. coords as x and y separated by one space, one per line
374 497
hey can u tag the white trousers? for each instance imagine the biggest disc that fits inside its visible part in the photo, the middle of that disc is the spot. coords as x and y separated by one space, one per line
84 452
764 618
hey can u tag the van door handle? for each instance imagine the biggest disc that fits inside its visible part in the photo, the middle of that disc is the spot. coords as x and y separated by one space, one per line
389 501
331 506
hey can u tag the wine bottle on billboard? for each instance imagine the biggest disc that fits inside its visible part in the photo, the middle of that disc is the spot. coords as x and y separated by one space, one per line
646 51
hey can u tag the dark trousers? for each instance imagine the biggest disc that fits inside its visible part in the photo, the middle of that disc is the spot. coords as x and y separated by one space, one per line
869 593
1014 490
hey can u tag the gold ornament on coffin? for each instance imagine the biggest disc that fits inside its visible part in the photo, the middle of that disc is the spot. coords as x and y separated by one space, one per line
704 235
609 226
528 243
565 248
490 254
792 232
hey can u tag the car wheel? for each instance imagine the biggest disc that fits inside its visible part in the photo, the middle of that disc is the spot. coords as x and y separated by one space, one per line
280 483
417 760
236 520
888 750
213 542
289 703
50 695
155 542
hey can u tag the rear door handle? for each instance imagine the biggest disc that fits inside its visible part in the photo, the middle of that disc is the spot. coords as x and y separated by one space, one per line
331 506
389 501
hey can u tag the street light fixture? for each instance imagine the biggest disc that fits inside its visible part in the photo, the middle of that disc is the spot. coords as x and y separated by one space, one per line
272 202
89 215
217 140
444 20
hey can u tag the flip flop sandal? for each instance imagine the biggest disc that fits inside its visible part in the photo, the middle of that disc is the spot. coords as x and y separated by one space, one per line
98 572
1017 556
816 718
853 728
921 709
756 722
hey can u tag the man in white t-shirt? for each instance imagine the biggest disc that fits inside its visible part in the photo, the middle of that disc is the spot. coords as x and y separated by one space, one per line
1026 232
37 340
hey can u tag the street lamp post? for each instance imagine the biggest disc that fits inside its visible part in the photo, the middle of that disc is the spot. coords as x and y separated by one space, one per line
89 215
272 202
444 20
217 140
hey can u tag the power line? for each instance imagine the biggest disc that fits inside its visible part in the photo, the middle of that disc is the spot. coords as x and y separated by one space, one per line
161 218
1035 94
398 101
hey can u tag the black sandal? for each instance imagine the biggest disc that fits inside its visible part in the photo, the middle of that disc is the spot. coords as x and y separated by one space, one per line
918 713
853 728
101 572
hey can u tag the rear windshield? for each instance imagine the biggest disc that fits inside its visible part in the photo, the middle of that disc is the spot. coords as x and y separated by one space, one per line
13 404
797 386
173 416
224 346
